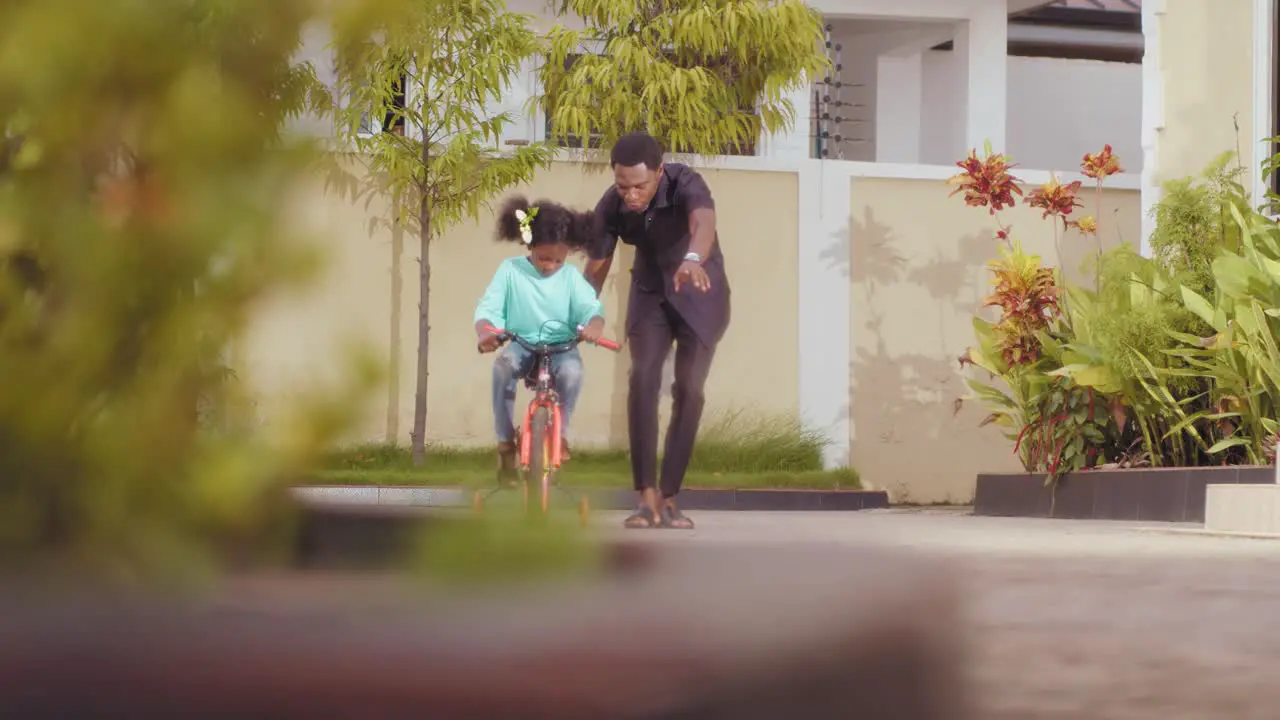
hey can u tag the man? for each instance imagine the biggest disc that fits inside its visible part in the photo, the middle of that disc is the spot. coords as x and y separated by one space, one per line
679 294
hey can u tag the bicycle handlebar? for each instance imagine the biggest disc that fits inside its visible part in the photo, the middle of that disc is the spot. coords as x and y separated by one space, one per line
503 336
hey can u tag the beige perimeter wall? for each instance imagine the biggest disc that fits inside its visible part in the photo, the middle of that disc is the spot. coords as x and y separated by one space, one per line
917 268
915 264
295 340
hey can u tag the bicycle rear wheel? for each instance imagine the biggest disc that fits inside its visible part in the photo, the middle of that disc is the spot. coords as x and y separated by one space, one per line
540 471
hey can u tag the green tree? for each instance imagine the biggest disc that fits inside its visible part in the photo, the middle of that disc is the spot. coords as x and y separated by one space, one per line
704 76
139 227
433 68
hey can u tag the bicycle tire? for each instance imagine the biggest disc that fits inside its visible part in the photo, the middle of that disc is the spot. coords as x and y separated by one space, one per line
539 479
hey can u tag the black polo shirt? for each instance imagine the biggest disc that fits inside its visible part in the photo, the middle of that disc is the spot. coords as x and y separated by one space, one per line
660 235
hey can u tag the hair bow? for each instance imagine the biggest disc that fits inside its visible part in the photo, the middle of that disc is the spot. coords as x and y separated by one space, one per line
526 223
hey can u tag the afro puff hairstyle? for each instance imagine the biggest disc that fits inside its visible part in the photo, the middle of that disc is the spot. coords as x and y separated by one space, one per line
553 224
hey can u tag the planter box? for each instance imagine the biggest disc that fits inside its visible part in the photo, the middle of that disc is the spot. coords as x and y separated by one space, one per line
1145 494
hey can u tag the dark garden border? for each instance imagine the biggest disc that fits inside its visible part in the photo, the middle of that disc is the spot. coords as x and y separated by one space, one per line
1143 494
782 499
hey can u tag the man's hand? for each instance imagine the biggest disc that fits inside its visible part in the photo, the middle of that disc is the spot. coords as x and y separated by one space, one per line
692 272
593 331
486 341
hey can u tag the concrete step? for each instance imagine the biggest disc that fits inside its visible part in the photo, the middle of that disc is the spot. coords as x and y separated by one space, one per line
1243 509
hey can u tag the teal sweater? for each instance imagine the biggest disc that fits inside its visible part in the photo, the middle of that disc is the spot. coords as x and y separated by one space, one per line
538 309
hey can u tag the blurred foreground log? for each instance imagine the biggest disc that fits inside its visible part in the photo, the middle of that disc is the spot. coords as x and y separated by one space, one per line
692 632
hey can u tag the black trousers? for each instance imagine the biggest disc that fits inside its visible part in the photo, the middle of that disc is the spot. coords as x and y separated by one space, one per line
650 337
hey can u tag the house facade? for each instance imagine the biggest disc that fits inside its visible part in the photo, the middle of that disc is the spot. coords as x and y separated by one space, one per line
1209 85
854 276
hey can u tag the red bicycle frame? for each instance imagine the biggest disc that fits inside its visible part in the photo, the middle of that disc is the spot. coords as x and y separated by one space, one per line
544 395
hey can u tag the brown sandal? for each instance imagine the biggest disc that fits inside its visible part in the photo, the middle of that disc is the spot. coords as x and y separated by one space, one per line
674 519
642 519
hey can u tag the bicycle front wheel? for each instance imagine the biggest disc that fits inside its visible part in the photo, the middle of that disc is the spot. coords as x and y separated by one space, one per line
540 471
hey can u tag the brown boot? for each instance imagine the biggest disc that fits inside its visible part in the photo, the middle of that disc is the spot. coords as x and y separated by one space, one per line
507 472
564 451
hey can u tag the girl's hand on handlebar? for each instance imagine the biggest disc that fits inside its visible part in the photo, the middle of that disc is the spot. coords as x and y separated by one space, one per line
488 342
593 331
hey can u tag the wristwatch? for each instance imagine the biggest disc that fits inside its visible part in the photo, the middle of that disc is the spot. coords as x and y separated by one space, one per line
693 257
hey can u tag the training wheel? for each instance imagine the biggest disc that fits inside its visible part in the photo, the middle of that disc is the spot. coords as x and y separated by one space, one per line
477 501
584 510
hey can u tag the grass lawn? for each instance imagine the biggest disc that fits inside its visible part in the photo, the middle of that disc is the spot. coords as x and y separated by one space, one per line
733 452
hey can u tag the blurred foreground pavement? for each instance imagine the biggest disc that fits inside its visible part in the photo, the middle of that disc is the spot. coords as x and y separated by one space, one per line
820 615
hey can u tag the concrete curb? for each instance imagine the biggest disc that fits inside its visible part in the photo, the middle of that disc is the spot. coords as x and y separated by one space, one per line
1201 532
781 500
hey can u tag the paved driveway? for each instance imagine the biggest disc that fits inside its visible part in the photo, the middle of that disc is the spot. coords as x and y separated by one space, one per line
1075 619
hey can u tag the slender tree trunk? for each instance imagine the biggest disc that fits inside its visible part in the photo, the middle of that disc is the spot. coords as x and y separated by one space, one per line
393 364
424 326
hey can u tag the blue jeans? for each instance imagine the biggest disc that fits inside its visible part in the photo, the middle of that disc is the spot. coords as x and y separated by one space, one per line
512 365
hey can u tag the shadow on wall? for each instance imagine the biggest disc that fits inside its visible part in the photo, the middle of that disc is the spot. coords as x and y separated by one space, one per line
905 377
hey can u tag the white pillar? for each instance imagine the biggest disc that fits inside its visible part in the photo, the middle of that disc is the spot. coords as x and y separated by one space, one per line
982 43
824 306
794 143
898 108
1152 118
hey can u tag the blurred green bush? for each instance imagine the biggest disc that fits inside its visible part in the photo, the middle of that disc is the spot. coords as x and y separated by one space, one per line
143 186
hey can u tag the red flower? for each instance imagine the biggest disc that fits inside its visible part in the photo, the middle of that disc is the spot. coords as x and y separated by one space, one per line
1101 165
1054 198
985 182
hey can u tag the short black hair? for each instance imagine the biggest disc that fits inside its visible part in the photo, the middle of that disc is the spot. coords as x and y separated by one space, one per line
552 223
635 148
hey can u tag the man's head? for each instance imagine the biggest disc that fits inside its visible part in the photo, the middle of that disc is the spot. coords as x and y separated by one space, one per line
637 168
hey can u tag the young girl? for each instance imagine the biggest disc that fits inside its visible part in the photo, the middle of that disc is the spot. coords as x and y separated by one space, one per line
542 300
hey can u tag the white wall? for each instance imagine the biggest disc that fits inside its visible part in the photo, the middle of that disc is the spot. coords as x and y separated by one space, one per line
943 87
1058 110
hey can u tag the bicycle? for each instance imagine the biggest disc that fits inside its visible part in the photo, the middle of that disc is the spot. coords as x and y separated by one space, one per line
539 448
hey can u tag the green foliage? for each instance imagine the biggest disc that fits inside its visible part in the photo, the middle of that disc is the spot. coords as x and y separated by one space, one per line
140 224
1193 220
504 547
1271 201
739 440
451 61
702 77
1241 360
434 67
1054 422
736 448
1180 349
